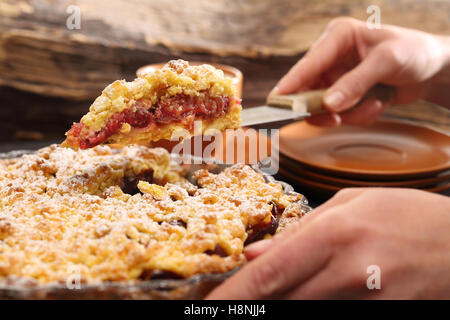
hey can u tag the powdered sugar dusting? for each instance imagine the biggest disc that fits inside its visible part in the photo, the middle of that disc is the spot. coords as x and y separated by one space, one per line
63 210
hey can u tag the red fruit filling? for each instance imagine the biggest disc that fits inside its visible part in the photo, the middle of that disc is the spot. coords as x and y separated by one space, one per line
257 232
180 108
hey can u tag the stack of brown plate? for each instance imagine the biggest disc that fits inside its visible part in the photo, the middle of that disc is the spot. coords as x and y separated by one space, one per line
387 154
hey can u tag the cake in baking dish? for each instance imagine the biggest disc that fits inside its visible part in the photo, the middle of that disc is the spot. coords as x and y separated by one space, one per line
125 214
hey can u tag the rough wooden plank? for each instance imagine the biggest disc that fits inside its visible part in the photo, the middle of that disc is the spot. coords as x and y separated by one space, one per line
262 37
59 72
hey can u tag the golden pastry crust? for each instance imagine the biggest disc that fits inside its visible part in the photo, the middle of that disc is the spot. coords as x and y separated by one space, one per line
177 78
64 212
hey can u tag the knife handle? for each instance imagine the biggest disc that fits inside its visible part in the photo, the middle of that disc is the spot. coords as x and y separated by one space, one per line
312 101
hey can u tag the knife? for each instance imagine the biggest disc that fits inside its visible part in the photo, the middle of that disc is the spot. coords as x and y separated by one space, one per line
300 105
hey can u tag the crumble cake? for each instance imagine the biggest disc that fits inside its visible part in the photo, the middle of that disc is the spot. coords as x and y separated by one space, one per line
159 105
127 214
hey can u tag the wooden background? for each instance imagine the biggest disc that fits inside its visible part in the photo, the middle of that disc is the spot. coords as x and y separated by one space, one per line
49 74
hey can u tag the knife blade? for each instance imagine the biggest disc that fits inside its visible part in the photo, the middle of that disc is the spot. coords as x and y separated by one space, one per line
300 105
267 114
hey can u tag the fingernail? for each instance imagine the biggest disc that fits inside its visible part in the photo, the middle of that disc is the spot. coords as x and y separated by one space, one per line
337 119
259 245
274 91
378 104
334 100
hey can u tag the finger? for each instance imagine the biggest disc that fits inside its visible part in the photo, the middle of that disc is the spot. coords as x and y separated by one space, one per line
325 120
331 75
365 114
285 265
352 86
342 197
256 249
334 43
410 93
345 275
293 256
338 280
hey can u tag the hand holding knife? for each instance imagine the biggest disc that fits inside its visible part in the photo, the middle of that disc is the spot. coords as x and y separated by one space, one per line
300 105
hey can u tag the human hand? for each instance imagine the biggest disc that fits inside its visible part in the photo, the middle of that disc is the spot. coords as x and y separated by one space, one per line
405 232
349 59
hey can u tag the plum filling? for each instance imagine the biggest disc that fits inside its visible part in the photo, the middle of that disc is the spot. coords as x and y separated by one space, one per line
180 108
129 183
257 232
184 107
217 251
158 274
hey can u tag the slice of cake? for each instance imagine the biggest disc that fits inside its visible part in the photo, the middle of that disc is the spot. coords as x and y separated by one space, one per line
163 104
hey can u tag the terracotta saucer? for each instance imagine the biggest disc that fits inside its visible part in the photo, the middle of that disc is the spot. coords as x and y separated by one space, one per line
386 150
327 190
300 170
245 145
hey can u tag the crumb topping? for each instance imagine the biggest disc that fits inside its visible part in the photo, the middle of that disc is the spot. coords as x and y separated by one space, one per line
120 214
